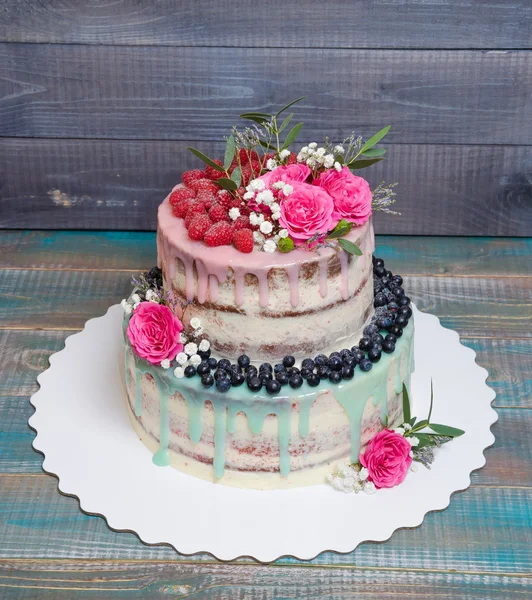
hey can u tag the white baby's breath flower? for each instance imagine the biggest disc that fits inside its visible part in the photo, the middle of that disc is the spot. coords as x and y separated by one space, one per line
407 426
275 207
183 338
328 161
195 322
287 189
197 332
337 483
283 233
284 154
269 246
182 358
414 467
363 474
234 213
260 219
320 152
165 364
265 197
349 483
338 166
136 305
413 441
249 195
123 304
128 309
204 345
276 238
276 216
258 238
399 430
266 227
369 487
191 348
179 372
278 185
339 149
312 145
311 162
256 185
149 295
254 218
271 164
195 360
135 298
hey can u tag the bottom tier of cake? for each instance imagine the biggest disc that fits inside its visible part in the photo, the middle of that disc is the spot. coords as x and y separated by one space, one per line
253 440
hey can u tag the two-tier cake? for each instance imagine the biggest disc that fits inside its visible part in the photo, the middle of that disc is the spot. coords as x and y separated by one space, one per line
269 342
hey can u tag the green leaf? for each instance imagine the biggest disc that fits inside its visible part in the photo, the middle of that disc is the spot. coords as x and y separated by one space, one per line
236 176
229 152
227 184
375 139
254 114
285 123
342 228
350 247
289 105
375 152
340 159
406 405
205 159
362 163
286 244
266 145
385 420
422 424
425 439
431 399
256 117
292 134
446 430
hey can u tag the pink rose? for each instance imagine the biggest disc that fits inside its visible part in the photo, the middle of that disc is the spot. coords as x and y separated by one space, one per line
288 174
307 211
387 458
153 331
351 194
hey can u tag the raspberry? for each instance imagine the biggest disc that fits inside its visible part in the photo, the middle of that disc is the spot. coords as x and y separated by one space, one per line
199 226
245 211
206 197
218 213
213 173
292 159
181 209
224 198
219 234
246 174
246 155
243 240
235 203
204 184
195 208
189 176
180 194
241 223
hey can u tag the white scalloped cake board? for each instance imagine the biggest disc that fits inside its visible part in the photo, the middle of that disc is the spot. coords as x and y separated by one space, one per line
84 432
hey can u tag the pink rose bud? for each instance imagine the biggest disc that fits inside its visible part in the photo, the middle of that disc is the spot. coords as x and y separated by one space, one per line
387 458
288 174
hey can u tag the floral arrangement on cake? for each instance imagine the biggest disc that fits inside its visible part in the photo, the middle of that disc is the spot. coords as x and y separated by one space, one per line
392 453
264 196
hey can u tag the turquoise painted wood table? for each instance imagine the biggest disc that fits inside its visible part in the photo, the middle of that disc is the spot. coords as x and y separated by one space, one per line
479 548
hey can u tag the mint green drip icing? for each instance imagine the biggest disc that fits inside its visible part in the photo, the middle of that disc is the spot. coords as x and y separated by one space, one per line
351 395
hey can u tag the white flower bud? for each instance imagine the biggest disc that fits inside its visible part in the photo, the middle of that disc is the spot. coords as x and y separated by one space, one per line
182 358
204 345
278 185
265 197
191 348
328 161
195 322
254 218
135 298
179 372
257 184
271 164
284 154
283 233
338 166
266 227
195 360
339 149
165 364
234 213
249 195
183 338
269 246
363 474
287 189
312 145
369 487
258 237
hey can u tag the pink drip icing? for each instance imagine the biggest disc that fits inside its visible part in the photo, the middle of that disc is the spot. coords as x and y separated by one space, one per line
324 267
262 276
239 286
293 281
213 288
344 283
203 281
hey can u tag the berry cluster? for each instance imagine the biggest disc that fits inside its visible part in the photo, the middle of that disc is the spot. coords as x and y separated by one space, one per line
392 315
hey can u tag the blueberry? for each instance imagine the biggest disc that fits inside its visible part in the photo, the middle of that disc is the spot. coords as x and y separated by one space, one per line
203 368
190 371
390 338
369 330
323 372
308 363
379 270
385 281
321 359
265 377
212 362
389 274
273 386
393 307
401 321
379 299
278 367
266 367
234 368
345 353
348 372
335 363
385 321
289 361
204 354
223 384
243 361
293 371
377 339
313 380
282 377
237 379
335 355
398 279
378 262
295 381
406 311
224 364
254 383
304 373
388 346
399 292
377 285
366 364
404 300
358 355
396 330
335 377
389 295
220 374
364 343
251 370
350 361
207 380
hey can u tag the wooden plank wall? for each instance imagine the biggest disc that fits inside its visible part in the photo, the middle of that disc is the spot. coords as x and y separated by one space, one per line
98 102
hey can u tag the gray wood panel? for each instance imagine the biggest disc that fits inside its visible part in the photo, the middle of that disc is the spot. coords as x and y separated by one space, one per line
456 97
273 23
112 184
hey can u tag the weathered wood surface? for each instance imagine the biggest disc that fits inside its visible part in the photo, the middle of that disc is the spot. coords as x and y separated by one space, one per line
127 92
112 184
334 24
480 547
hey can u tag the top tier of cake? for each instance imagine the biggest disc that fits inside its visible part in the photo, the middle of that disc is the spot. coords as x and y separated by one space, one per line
268 305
